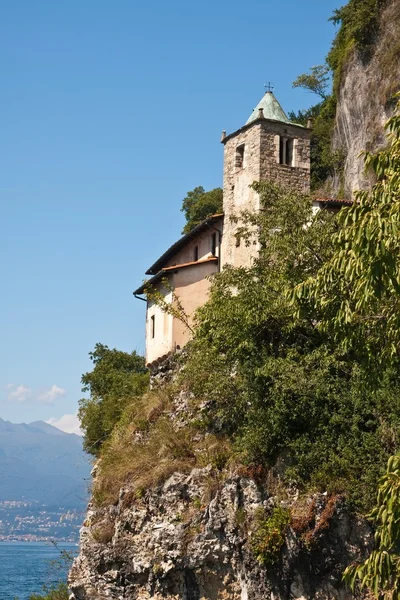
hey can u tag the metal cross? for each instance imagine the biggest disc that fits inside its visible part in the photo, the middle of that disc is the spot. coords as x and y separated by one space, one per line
268 86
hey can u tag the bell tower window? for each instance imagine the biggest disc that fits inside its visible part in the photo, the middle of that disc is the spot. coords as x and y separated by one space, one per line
286 151
239 157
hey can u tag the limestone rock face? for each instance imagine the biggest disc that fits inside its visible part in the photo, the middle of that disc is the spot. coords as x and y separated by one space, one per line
365 102
192 539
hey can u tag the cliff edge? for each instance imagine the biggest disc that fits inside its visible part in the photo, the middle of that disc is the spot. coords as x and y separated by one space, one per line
365 101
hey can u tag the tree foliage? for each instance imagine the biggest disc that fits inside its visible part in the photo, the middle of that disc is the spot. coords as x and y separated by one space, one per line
60 592
358 24
325 162
279 386
317 81
116 378
357 292
199 204
380 572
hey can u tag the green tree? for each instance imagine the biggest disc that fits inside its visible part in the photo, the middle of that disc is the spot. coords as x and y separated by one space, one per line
357 291
60 592
317 81
279 386
380 572
117 377
199 204
325 162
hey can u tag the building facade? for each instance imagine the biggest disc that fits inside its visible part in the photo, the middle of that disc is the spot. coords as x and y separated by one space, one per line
182 273
268 147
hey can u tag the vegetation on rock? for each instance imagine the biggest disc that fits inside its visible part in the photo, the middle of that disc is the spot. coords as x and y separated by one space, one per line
280 387
58 593
268 534
117 377
381 570
356 293
359 23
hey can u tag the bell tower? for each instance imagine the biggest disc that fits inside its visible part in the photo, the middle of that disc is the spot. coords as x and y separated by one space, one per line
267 147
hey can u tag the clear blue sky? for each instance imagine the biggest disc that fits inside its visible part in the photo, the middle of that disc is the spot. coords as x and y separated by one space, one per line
111 112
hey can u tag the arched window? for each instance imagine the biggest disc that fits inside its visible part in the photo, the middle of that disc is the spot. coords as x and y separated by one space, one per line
239 157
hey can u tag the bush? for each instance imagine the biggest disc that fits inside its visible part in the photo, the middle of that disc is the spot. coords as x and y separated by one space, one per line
58 593
268 536
116 379
279 387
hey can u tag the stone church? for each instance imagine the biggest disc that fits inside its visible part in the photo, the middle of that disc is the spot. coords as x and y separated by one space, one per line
267 147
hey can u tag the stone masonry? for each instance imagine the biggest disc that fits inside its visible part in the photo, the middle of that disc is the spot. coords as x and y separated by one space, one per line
252 154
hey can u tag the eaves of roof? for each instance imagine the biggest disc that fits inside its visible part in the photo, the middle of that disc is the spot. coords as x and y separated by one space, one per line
262 120
333 201
160 262
191 264
156 278
150 281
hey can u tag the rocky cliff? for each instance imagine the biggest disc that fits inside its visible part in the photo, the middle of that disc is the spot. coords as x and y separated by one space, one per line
170 544
212 533
366 100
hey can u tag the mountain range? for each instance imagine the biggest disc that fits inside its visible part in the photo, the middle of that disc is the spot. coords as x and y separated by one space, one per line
41 463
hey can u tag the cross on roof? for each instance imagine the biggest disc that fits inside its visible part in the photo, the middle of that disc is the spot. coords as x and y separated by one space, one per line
268 86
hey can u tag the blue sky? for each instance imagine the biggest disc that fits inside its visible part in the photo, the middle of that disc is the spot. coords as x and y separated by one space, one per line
111 112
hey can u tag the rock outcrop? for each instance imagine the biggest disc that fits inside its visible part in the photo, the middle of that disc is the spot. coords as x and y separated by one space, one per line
366 101
192 537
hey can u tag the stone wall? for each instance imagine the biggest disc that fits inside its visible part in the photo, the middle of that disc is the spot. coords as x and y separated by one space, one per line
261 161
238 195
297 176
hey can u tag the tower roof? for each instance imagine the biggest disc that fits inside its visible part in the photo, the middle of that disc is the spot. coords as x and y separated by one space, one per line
271 107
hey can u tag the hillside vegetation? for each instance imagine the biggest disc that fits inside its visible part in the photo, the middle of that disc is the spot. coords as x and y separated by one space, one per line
303 349
359 25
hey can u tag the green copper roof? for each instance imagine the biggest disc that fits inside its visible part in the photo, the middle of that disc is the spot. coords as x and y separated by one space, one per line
272 109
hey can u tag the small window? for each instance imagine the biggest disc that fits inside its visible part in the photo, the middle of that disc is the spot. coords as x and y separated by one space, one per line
214 244
153 326
286 151
237 240
289 152
196 253
239 159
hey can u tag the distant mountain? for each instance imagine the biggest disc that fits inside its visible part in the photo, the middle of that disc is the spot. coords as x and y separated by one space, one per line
39 462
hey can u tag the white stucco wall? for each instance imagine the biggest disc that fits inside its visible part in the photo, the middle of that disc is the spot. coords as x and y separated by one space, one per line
162 342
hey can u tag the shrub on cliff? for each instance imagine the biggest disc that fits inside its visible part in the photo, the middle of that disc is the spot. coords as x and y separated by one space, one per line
116 379
280 386
58 593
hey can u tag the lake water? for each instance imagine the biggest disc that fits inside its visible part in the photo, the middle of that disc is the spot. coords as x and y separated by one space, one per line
26 566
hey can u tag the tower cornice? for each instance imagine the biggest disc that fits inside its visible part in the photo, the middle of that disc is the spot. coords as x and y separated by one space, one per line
281 124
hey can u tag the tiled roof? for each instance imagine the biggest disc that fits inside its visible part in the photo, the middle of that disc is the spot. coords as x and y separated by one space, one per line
160 262
150 281
190 264
167 270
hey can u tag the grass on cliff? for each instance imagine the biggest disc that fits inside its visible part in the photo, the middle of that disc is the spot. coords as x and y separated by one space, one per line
147 446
